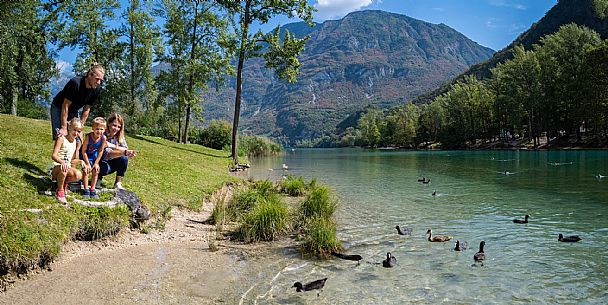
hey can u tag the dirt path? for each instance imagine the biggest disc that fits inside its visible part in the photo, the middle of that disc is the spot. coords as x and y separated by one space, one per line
174 266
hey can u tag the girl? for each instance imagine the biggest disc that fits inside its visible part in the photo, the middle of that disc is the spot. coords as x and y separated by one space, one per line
92 151
116 155
64 156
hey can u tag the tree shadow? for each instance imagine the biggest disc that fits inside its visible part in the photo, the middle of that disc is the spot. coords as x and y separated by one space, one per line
33 175
177 147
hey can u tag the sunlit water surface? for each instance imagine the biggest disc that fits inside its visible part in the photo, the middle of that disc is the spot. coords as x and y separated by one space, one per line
476 200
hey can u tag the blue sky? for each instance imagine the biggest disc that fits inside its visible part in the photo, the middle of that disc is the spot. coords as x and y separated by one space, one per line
491 23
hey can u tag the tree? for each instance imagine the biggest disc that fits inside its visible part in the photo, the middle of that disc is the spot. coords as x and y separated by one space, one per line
25 63
201 49
282 57
143 37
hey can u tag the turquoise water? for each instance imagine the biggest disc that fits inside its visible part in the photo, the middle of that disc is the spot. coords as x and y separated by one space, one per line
475 201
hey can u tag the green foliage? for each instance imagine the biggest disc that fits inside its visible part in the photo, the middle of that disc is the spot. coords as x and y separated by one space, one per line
25 64
266 221
318 203
216 135
319 238
601 8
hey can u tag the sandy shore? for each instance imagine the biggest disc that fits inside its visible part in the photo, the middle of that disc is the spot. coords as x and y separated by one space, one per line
174 266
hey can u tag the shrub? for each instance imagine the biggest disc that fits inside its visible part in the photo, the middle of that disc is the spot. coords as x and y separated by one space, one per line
98 222
266 221
292 186
217 135
319 238
318 203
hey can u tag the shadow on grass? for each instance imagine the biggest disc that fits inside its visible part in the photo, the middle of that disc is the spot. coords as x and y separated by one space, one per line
177 147
33 175
33 169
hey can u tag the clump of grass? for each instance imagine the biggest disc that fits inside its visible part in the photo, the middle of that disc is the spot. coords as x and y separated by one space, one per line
293 186
264 187
318 203
98 222
319 238
266 221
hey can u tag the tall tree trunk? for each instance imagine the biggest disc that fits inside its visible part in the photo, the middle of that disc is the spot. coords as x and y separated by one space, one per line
186 124
239 84
14 102
131 106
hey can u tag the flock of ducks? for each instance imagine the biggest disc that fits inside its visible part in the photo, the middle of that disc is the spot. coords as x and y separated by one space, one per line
391 261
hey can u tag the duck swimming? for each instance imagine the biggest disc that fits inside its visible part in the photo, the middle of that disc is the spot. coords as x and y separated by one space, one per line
403 231
390 261
461 246
525 220
434 193
349 257
568 239
427 181
422 180
318 284
437 238
480 256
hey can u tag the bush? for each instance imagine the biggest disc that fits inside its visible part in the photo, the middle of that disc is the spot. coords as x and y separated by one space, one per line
98 222
319 238
266 221
318 203
217 135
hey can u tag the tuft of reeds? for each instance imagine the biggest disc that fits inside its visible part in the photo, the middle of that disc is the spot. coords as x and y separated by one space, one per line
319 239
292 186
318 203
266 221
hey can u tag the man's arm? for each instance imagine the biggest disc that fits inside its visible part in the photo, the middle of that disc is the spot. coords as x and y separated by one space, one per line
64 116
85 114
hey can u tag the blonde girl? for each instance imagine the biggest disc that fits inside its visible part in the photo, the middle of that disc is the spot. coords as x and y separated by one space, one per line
92 151
65 156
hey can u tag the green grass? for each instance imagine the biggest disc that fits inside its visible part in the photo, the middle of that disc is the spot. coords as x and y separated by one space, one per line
164 174
293 186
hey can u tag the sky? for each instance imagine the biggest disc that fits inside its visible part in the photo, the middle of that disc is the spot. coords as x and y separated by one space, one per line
490 23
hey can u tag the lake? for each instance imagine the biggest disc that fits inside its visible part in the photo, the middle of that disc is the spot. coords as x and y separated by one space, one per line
478 194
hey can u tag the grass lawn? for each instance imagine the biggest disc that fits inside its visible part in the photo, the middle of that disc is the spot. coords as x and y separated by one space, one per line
164 174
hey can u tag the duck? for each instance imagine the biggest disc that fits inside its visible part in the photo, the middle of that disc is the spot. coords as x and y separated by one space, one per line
390 261
525 220
461 246
350 257
599 176
437 238
568 239
285 167
403 231
427 181
422 180
480 255
318 284
434 193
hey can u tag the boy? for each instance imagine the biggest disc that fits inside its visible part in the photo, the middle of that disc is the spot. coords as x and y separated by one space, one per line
92 151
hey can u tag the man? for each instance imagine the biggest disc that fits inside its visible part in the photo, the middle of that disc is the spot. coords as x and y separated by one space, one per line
78 93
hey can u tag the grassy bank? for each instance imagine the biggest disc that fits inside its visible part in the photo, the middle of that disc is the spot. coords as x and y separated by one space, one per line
164 175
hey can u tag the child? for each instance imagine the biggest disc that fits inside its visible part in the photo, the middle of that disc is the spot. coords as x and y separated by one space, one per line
92 151
64 156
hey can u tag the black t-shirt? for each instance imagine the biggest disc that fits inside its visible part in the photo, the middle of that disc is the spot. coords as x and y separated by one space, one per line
76 91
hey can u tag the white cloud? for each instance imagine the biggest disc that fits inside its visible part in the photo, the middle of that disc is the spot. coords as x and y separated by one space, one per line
62 66
507 3
338 8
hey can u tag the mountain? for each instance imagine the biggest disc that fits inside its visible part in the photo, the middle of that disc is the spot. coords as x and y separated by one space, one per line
581 12
368 58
